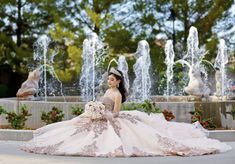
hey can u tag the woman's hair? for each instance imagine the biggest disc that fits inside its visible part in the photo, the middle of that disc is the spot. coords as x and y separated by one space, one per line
121 87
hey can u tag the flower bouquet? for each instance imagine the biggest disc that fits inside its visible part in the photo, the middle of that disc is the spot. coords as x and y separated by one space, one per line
94 110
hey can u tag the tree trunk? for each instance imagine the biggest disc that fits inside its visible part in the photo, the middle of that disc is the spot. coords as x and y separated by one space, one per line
97 11
186 23
19 23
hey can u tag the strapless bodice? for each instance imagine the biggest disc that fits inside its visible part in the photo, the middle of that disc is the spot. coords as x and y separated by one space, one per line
108 103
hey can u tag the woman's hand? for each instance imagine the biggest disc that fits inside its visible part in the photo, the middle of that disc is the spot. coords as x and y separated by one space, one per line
108 115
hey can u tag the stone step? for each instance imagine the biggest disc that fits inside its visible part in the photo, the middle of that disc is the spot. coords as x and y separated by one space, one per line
16 135
223 135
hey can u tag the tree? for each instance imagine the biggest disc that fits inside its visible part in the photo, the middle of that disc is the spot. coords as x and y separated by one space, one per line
68 61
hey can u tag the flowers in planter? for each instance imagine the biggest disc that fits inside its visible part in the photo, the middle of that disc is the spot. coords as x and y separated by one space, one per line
55 115
16 120
205 122
168 115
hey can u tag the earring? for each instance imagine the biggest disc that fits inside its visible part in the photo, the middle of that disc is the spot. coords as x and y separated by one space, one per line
118 85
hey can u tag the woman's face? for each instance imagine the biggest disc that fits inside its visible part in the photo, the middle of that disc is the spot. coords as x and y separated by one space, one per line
112 81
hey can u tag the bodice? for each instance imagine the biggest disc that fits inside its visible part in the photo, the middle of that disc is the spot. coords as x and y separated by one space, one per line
108 103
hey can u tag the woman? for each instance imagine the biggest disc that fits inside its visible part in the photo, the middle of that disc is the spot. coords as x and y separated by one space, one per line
103 130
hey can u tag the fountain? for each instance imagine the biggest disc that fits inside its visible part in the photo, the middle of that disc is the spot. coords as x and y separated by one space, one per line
142 82
193 59
169 61
220 76
44 66
123 67
93 53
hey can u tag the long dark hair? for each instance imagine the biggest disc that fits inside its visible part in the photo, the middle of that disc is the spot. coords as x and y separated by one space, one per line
121 87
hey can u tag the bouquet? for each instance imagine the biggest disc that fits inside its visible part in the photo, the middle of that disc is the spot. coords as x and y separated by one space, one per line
94 110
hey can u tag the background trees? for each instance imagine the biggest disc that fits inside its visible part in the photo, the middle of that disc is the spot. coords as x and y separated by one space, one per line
119 23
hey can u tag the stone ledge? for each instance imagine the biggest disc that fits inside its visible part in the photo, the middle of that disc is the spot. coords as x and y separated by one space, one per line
16 135
223 135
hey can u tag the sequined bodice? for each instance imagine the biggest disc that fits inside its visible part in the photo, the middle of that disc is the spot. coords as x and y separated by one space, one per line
108 103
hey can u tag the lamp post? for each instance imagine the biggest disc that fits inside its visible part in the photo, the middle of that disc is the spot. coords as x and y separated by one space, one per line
172 17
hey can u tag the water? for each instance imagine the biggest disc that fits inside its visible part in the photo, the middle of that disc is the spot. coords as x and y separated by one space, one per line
142 82
169 61
123 67
192 46
220 62
45 61
94 52
193 59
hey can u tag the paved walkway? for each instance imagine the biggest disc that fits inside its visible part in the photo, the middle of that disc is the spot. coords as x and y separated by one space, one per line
10 153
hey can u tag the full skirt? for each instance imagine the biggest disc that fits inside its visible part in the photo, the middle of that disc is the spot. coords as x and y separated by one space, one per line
132 133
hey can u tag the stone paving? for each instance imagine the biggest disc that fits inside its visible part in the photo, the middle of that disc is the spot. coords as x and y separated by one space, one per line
10 153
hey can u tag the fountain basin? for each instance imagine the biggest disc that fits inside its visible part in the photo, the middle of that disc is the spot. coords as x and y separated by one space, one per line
219 111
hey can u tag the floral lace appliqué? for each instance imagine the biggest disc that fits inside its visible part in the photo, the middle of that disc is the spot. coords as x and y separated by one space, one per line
50 149
171 147
129 117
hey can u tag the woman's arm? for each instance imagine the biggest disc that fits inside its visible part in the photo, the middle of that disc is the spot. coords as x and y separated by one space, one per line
117 105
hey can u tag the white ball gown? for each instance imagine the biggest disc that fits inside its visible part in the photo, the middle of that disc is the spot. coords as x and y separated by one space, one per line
132 133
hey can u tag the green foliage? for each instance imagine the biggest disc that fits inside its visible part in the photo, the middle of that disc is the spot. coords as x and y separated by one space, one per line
77 110
149 107
17 121
2 110
131 106
3 90
197 115
211 46
68 21
232 112
55 115
119 39
69 59
12 55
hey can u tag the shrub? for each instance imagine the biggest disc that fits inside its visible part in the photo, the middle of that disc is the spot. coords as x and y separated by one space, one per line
205 122
77 110
55 115
17 121
232 112
150 107
168 115
131 106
